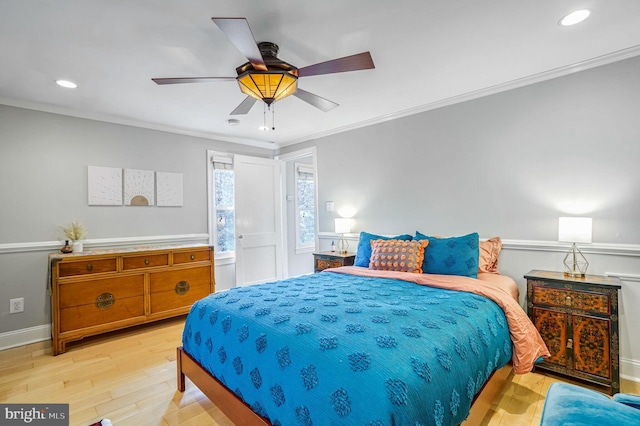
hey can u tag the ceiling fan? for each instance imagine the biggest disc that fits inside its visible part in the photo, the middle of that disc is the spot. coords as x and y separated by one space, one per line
267 78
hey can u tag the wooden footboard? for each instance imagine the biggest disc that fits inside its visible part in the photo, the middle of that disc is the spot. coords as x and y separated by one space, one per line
232 406
241 414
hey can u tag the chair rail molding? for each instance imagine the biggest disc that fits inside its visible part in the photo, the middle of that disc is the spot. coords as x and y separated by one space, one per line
103 243
531 245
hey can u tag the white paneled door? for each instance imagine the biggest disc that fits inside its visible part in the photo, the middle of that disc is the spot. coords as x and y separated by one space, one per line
259 253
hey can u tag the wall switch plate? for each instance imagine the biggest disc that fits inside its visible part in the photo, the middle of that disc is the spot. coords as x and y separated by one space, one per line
329 206
16 305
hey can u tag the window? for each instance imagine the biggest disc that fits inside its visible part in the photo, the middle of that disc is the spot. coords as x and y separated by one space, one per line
305 207
223 204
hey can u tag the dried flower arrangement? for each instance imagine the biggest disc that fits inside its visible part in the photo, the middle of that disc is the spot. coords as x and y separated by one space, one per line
75 231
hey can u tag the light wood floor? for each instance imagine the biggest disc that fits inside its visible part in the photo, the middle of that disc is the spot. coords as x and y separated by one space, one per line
129 377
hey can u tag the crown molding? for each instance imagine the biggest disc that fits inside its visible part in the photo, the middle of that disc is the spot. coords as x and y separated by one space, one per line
55 109
608 58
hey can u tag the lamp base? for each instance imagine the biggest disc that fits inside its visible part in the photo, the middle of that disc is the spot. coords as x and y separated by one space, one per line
343 245
571 274
575 263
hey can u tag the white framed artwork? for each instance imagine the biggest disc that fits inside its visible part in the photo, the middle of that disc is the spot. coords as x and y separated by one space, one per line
169 189
105 186
139 187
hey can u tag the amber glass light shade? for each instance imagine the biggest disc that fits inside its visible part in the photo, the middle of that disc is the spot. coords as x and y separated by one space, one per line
268 86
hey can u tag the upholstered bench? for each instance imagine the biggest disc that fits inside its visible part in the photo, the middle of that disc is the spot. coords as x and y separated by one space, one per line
572 405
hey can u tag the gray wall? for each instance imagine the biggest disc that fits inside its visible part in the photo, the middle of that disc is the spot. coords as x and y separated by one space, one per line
507 165
43 184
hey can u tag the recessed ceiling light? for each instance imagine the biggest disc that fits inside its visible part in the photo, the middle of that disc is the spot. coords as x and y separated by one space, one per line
264 128
575 17
66 83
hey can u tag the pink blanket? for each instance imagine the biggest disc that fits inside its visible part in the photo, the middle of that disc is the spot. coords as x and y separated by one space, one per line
528 346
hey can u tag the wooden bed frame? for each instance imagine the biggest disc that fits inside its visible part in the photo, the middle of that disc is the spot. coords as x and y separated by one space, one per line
241 414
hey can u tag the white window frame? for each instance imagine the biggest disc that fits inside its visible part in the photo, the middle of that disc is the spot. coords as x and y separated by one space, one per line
310 247
221 257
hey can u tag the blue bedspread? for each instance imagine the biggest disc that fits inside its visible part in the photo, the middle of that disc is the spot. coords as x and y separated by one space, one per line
337 349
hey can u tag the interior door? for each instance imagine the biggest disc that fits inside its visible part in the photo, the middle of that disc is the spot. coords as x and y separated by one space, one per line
259 252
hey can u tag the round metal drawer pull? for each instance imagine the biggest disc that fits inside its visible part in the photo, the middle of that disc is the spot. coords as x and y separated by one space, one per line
182 287
146 261
105 300
89 267
193 257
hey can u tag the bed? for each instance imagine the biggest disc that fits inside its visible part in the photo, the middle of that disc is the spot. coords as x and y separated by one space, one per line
356 346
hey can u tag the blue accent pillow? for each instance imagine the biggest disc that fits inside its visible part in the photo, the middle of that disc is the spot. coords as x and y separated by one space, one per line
363 255
451 256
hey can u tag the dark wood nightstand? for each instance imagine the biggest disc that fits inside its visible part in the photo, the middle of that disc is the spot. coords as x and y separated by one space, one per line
578 320
332 259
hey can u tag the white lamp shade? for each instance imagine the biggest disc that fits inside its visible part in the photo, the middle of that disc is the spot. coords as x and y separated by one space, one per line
343 225
574 229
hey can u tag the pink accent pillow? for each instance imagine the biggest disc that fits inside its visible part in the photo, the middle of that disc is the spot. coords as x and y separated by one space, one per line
397 255
488 259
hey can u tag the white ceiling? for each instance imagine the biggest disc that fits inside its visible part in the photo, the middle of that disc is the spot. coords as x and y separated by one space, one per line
427 53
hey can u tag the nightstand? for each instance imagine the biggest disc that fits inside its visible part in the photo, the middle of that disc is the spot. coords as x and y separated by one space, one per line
578 320
332 259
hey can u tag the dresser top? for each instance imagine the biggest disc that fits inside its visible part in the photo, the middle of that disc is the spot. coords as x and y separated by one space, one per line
59 256
559 276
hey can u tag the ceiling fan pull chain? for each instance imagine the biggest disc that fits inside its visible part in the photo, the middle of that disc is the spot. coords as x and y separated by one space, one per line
264 116
273 117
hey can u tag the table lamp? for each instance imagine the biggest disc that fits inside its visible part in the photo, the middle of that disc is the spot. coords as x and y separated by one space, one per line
575 230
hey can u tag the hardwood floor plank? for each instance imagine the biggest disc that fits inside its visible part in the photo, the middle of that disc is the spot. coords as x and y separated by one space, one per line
129 377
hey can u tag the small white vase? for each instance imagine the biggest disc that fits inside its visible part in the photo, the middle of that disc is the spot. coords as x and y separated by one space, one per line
78 246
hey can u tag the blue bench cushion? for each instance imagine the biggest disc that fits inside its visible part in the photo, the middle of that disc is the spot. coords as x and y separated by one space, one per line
567 404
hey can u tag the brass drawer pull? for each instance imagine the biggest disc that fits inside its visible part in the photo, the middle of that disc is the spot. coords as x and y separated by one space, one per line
182 287
105 300
193 257
146 261
567 301
570 344
89 267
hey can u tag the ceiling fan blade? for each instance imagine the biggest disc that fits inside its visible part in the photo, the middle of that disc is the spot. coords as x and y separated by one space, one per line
180 80
244 106
239 33
315 100
360 61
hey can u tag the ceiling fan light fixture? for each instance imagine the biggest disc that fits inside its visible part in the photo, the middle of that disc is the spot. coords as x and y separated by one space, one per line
268 86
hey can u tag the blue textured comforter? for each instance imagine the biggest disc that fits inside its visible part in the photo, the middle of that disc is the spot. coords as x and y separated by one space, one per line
339 349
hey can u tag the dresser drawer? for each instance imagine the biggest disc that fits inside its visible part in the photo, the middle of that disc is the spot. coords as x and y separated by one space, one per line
177 289
560 297
171 280
168 300
328 263
84 267
83 316
191 256
147 261
87 292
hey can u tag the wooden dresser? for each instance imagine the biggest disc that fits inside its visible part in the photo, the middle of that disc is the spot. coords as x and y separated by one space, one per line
100 291
578 320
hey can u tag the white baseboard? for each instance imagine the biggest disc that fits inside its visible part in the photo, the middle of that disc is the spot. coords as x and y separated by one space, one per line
25 336
630 369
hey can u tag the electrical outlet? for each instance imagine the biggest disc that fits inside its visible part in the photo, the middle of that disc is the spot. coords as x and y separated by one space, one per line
16 305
